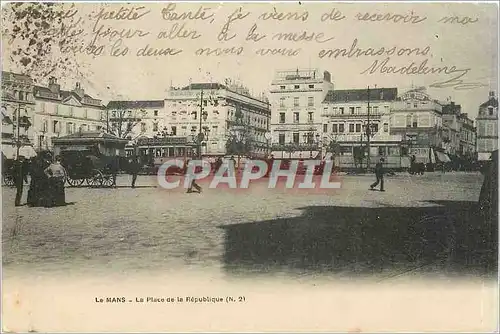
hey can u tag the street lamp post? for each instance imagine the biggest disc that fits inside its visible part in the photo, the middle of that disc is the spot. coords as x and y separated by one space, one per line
368 130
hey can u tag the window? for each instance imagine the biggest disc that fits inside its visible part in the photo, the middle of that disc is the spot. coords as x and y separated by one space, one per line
174 131
414 124
69 128
358 110
310 101
375 110
295 101
325 127
55 128
408 121
84 127
281 139
282 117
335 128
351 127
43 107
296 86
311 86
282 87
358 127
45 126
386 127
351 110
334 110
113 114
415 105
85 113
296 137
155 113
490 111
310 116
295 117
282 102
381 150
386 109
155 126
129 114
56 109
374 128
341 109
174 113
215 129
143 127
71 111
341 127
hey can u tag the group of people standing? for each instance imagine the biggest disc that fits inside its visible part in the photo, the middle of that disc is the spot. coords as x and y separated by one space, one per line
46 184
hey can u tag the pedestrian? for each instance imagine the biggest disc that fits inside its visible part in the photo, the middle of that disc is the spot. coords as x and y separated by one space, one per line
218 164
193 182
56 174
20 176
38 182
135 167
233 164
114 168
379 174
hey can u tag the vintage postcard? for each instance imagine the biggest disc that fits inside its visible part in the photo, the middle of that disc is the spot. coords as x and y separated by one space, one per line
249 166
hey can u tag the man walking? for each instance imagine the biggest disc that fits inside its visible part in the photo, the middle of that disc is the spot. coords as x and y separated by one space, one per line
20 176
135 167
193 182
379 174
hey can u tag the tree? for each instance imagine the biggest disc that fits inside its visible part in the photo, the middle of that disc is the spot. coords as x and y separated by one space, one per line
40 38
122 122
240 139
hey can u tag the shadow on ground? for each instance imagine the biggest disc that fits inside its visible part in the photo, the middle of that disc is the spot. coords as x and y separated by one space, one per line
446 237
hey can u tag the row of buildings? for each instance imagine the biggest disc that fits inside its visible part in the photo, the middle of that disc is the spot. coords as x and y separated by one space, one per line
304 115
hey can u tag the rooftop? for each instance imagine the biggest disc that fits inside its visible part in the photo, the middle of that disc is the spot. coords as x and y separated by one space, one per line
376 94
63 95
145 104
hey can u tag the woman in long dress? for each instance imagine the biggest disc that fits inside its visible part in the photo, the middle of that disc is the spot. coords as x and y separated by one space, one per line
56 174
39 186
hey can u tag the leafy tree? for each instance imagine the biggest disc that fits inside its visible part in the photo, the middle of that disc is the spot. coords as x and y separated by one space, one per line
122 123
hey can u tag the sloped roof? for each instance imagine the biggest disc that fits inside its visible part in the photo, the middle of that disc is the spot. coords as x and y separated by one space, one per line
135 104
492 102
376 94
63 94
207 85
89 135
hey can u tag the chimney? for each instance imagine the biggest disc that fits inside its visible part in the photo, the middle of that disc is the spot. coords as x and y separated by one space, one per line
492 94
79 90
54 86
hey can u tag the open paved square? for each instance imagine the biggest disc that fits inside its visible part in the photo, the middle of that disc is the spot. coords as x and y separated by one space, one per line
420 224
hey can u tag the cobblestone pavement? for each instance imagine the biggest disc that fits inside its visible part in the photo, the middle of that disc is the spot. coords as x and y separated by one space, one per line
149 228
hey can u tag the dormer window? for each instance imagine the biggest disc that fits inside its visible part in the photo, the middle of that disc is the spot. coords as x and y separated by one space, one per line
490 111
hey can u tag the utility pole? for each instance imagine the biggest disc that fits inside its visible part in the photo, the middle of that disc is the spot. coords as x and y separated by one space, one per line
200 133
18 141
368 132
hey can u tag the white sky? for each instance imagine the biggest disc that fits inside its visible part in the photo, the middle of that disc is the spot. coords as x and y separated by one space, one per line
472 46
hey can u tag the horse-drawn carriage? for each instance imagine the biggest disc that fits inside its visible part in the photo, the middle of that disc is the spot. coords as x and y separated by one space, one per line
90 157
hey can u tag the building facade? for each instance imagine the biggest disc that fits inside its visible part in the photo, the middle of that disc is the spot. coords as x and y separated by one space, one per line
134 119
60 112
346 115
417 118
467 147
452 126
18 105
296 98
218 112
487 128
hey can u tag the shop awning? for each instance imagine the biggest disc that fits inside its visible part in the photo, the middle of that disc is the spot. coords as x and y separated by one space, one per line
10 151
442 157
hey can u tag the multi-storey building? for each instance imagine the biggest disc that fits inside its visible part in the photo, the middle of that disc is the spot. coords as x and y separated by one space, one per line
222 112
18 106
346 114
467 147
296 98
135 119
451 114
487 128
60 112
417 118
